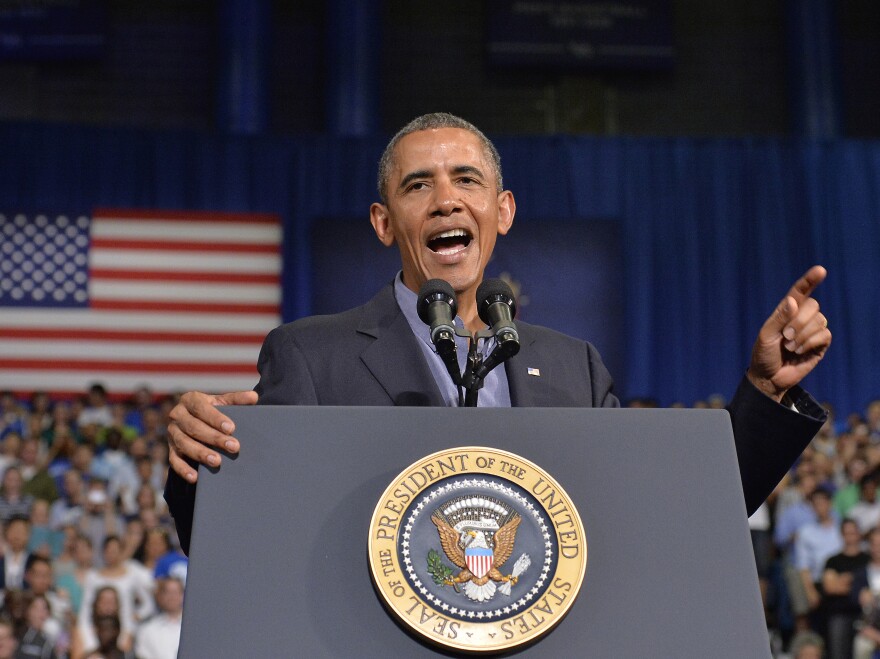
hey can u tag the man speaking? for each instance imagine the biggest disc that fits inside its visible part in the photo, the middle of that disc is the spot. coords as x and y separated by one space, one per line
444 205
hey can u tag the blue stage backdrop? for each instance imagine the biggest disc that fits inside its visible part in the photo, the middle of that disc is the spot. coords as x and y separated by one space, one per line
712 231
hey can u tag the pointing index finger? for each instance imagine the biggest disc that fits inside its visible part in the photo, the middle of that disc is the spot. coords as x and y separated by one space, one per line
805 286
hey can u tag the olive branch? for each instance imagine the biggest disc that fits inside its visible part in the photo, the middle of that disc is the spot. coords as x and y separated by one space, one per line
439 571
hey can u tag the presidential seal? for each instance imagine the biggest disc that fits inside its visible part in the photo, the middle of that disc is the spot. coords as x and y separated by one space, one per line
477 549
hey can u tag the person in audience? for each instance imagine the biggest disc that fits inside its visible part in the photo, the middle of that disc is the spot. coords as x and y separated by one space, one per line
40 414
848 495
96 411
10 445
39 580
797 512
35 643
872 419
107 629
141 401
866 582
133 538
99 518
12 415
866 511
807 645
65 562
159 637
15 557
45 541
60 456
815 542
68 508
134 587
38 483
839 602
72 583
83 459
85 636
8 642
13 502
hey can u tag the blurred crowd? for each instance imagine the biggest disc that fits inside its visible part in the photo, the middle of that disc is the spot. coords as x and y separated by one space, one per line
89 561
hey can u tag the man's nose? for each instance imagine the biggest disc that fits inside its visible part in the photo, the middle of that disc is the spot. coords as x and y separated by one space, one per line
446 199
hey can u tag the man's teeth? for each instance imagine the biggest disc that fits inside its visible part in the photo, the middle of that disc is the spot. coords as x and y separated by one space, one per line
452 233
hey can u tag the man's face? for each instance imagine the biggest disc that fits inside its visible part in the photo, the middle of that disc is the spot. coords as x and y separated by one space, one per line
874 547
443 208
39 576
851 535
17 535
822 506
8 644
170 596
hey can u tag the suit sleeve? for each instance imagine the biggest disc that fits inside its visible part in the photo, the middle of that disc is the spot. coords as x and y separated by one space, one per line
601 380
769 437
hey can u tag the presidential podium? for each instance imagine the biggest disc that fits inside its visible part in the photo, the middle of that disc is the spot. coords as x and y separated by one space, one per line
279 565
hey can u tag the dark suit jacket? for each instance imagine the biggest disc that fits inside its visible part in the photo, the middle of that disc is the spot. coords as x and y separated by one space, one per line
369 356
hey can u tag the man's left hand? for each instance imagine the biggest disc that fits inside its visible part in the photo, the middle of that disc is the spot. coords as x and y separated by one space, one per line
793 340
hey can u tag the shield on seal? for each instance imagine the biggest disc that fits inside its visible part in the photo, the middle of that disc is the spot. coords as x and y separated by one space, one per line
479 560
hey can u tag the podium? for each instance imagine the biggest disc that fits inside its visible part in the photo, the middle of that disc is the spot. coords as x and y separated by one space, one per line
279 567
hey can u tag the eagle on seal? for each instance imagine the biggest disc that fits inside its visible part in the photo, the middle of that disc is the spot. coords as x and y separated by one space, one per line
478 558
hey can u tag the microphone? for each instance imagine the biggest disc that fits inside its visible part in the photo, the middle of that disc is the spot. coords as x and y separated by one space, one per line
496 307
437 308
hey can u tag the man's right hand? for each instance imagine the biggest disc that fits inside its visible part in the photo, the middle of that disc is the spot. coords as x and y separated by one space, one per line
197 428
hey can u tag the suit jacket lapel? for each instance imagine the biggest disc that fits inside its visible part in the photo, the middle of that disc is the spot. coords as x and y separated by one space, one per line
395 358
525 389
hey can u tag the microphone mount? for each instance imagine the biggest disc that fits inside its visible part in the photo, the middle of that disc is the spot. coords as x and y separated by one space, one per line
437 308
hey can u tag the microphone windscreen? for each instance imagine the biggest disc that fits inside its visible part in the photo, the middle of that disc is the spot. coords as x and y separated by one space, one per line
491 291
431 291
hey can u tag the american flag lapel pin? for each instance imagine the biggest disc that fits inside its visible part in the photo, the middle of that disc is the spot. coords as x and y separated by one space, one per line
534 371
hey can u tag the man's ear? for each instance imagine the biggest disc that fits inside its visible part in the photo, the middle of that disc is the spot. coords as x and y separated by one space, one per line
506 211
381 222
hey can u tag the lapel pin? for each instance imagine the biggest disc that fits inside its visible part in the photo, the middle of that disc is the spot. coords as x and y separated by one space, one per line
535 371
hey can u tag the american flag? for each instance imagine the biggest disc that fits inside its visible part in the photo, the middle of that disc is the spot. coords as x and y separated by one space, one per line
170 300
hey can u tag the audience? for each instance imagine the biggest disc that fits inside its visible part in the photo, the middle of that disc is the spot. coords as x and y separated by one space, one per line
76 475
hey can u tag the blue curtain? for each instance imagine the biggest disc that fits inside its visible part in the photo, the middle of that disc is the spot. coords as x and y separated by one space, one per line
713 231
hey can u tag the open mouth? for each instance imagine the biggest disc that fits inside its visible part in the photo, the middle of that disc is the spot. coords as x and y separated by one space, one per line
450 242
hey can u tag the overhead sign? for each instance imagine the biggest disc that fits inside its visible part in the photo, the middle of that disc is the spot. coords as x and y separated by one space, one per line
52 29
553 33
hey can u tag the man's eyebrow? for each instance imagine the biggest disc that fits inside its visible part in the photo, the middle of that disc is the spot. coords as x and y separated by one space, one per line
421 173
468 169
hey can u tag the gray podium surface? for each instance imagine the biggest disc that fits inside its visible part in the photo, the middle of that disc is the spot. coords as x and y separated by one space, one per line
278 564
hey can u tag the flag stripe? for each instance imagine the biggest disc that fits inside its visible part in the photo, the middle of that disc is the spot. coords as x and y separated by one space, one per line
158 261
107 290
211 217
185 307
165 229
79 319
75 382
92 365
132 352
182 246
38 334
158 275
